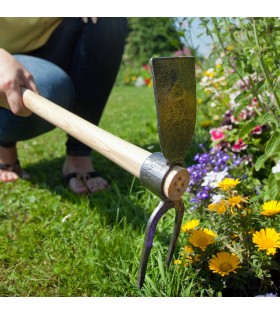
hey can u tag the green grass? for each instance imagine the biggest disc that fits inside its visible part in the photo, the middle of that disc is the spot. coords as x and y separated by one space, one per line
96 250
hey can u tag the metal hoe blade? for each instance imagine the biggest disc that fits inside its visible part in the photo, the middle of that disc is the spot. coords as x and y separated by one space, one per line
162 208
175 97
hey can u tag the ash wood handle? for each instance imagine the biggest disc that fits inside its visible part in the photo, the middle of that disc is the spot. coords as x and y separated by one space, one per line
121 152
126 155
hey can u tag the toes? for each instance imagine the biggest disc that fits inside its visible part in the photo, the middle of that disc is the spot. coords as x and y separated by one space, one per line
8 176
77 186
96 184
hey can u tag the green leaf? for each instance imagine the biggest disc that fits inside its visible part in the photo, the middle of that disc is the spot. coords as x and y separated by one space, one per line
242 95
273 145
153 285
161 268
273 186
247 128
260 161
267 118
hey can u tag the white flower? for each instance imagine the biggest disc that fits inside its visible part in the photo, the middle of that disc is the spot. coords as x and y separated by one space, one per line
217 198
276 168
139 82
212 178
218 61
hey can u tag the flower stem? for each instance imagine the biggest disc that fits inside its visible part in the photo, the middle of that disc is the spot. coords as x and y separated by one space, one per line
264 66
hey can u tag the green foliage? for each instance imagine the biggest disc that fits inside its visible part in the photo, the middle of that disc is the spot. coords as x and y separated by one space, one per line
248 52
234 221
151 37
55 243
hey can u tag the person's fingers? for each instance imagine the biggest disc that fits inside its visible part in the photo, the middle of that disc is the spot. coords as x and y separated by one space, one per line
94 20
29 82
14 99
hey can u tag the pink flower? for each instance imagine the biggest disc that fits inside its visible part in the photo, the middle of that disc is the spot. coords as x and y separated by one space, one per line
254 101
239 146
257 130
233 119
185 52
217 134
243 114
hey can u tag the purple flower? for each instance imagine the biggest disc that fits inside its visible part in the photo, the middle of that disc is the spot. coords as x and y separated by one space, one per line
267 295
209 168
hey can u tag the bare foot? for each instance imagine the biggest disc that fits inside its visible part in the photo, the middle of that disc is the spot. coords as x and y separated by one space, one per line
8 165
79 169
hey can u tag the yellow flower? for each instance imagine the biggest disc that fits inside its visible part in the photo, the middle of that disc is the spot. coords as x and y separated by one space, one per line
189 255
201 238
190 225
209 232
219 207
187 250
224 263
271 207
228 183
177 262
230 47
210 73
235 201
267 239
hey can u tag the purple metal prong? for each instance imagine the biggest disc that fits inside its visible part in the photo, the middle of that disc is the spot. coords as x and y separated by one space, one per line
161 209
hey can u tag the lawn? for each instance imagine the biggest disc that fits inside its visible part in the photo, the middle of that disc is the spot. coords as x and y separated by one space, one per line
54 243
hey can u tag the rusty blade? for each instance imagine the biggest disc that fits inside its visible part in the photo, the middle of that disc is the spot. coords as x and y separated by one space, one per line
175 97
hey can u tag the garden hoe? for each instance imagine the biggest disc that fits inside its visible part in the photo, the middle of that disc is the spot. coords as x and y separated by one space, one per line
162 173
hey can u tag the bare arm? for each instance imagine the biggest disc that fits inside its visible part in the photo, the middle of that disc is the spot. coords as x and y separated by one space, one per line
13 76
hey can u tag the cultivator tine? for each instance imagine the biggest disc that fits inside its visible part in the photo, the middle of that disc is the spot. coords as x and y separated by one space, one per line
162 208
180 209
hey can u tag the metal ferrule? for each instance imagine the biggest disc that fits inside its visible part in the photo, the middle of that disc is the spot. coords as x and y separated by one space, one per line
153 172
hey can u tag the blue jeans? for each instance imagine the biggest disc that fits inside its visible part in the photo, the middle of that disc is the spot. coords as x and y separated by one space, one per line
76 69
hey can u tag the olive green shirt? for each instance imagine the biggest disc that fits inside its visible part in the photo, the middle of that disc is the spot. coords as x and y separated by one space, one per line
24 34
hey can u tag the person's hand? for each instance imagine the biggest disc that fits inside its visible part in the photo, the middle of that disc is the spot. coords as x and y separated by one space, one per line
13 76
92 19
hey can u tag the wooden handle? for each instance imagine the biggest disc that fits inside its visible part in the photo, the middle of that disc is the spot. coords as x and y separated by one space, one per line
126 155
121 152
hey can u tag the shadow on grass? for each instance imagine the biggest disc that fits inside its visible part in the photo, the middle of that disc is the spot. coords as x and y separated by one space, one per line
124 201
115 204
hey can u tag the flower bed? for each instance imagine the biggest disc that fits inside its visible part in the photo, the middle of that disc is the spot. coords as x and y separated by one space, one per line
232 236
